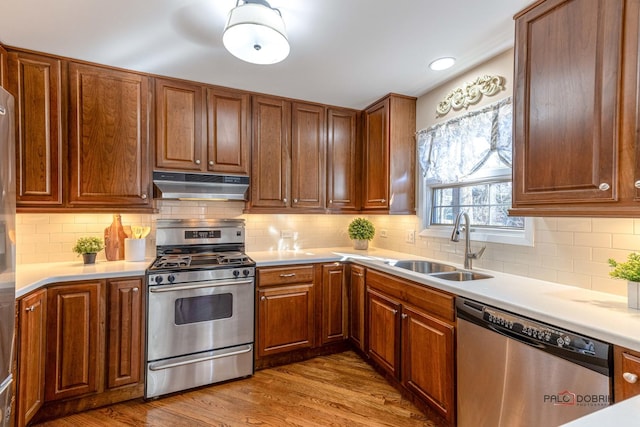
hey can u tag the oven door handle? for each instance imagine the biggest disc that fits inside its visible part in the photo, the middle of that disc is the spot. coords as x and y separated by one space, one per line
172 288
160 366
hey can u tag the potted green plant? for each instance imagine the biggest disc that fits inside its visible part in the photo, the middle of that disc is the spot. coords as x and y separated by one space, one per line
629 271
88 247
361 230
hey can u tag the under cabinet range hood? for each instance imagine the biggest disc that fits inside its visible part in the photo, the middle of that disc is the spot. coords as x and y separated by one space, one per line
199 186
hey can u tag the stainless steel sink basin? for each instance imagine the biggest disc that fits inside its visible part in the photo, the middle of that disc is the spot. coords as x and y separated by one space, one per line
425 267
461 276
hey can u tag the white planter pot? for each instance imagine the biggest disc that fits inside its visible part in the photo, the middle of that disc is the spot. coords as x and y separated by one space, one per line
633 295
134 249
361 244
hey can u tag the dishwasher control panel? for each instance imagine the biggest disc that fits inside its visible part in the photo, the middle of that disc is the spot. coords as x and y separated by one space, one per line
538 331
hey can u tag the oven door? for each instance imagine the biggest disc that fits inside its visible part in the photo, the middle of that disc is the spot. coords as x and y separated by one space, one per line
200 316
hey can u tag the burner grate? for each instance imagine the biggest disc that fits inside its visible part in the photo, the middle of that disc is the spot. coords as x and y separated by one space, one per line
173 261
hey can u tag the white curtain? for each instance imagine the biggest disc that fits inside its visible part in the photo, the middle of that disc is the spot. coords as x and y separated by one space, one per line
451 151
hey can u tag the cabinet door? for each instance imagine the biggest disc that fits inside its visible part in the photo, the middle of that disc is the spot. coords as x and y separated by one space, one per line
75 337
37 84
270 165
124 342
334 303
31 355
180 130
308 148
428 360
383 342
109 138
342 159
356 306
286 319
626 367
566 102
376 157
228 136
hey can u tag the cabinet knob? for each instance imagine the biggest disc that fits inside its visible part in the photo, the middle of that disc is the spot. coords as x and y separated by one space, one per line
637 184
284 200
394 311
604 186
197 162
31 308
384 201
210 162
630 378
263 298
144 196
135 289
295 200
330 201
405 315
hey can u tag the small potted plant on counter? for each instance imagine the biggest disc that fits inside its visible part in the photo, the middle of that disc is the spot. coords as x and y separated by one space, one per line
361 230
88 247
629 271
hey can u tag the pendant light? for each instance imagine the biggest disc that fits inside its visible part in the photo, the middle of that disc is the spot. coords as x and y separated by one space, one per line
255 33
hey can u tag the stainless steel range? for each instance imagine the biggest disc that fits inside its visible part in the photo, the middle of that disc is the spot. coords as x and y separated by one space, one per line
200 318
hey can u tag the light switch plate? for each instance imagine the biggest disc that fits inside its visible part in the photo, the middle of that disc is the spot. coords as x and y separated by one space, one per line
286 234
383 233
411 236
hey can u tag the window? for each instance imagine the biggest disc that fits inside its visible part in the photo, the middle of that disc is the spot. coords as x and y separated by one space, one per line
466 167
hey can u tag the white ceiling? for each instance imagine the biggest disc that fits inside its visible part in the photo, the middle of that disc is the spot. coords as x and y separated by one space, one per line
343 52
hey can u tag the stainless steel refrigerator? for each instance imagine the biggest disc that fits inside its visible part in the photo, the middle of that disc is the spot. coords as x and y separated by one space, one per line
7 254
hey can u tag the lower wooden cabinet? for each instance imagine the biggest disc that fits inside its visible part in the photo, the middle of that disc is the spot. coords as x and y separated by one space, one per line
124 342
411 335
74 340
356 306
80 346
428 359
334 303
31 357
626 373
384 331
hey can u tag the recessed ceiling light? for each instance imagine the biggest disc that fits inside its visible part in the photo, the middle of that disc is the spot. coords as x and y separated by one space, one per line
442 63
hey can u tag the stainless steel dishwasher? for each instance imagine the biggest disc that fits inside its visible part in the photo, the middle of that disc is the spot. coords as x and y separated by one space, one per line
515 371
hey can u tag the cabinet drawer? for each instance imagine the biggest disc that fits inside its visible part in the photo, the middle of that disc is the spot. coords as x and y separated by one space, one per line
285 275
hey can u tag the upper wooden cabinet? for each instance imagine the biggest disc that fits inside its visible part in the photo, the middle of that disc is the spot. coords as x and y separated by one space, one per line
343 165
109 153
228 131
180 126
575 109
270 145
39 86
200 128
388 184
308 148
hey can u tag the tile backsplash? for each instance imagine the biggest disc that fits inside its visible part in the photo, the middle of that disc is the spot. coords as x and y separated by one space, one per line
571 251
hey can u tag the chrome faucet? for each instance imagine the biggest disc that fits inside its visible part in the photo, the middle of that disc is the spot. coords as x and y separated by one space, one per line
455 237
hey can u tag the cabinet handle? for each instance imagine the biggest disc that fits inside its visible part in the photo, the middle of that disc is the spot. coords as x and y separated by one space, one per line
358 274
405 315
143 196
630 378
395 311
197 162
31 308
379 200
263 298
288 275
210 162
604 186
637 184
135 289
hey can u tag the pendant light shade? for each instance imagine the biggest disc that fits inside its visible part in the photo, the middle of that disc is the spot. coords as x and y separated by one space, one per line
255 33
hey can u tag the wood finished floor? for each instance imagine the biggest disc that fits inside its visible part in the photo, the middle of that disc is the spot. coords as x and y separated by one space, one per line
335 390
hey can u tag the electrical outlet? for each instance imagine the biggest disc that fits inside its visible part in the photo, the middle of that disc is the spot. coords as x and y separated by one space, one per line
411 236
383 233
286 234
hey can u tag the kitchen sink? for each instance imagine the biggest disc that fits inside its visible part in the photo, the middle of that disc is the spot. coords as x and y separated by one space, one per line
425 267
461 276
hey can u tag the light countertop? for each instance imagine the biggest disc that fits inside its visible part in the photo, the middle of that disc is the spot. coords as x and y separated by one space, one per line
621 414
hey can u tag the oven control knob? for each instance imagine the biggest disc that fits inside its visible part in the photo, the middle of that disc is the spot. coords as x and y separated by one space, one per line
158 279
171 278
245 272
236 273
